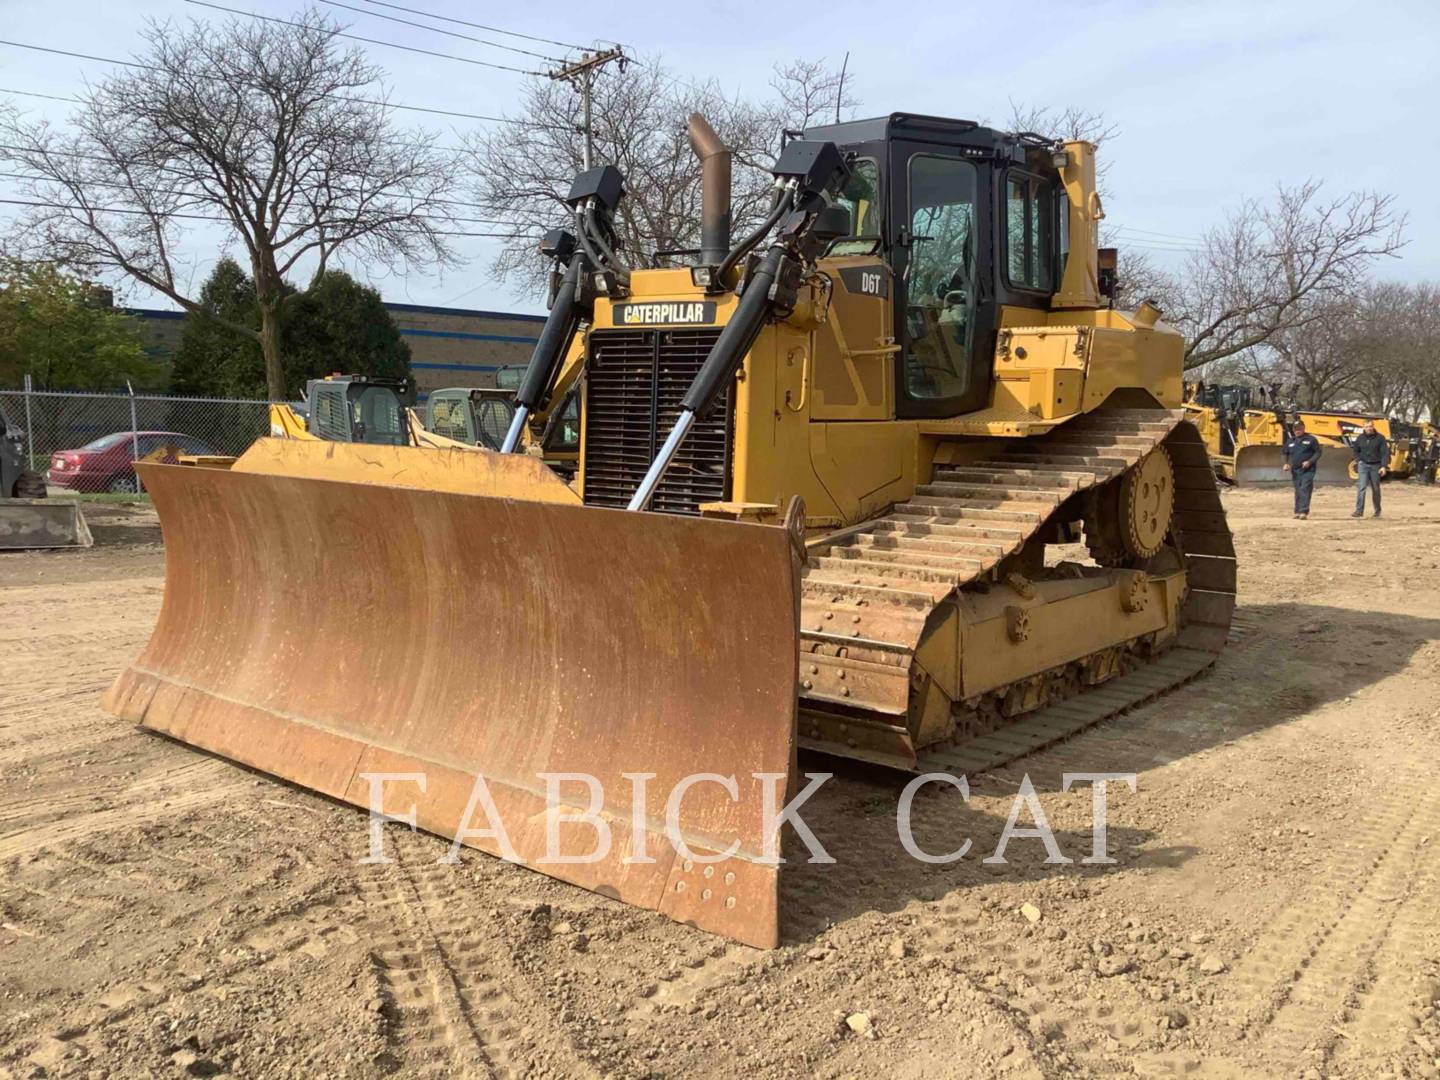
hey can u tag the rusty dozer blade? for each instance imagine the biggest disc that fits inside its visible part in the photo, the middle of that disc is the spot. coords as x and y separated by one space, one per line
323 629
27 524
1265 465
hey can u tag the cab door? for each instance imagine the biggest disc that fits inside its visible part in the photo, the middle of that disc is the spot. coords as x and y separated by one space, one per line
944 296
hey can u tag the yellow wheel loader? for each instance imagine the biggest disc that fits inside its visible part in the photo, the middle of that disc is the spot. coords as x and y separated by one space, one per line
830 482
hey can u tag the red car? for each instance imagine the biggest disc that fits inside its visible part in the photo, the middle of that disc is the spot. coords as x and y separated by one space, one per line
108 463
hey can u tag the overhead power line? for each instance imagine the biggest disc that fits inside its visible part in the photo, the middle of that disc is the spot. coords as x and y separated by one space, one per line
368 41
185 194
1152 232
35 203
32 93
337 97
475 25
447 33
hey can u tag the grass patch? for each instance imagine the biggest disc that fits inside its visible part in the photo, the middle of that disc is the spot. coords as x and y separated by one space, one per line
117 497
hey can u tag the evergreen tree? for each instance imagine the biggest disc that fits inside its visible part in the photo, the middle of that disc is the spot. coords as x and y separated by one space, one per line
214 360
338 325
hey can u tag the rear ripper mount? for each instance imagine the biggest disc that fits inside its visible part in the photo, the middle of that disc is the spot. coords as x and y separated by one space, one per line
869 597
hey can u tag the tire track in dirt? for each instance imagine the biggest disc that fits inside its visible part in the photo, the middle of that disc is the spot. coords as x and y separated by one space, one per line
62 735
437 1028
1294 987
449 979
1037 996
1390 1007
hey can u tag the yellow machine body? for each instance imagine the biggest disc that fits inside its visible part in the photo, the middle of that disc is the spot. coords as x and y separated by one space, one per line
532 627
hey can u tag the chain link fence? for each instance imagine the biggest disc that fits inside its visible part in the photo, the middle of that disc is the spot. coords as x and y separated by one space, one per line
84 442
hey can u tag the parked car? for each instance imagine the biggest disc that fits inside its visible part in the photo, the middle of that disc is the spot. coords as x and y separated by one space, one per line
108 463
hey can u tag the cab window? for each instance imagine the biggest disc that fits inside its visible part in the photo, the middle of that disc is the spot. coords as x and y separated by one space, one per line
862 198
492 420
562 436
328 417
940 278
379 417
1029 226
448 419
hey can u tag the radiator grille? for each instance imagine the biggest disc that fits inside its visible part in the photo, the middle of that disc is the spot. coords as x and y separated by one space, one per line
634 380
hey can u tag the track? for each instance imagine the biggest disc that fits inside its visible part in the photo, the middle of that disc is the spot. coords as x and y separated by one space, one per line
868 593
448 982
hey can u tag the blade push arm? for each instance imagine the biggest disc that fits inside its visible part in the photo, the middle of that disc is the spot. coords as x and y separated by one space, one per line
559 330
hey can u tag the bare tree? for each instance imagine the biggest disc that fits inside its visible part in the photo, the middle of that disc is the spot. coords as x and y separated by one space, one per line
810 92
1423 361
522 176
1314 359
1376 337
1070 122
1272 268
270 129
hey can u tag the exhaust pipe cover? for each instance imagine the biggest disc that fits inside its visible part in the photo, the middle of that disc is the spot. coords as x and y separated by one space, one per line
714 158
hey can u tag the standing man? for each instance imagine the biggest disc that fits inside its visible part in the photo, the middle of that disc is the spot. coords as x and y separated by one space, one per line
1372 461
1302 453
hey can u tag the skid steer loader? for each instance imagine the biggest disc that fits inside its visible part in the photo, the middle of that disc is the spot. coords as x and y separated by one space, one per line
28 519
348 409
857 433
480 416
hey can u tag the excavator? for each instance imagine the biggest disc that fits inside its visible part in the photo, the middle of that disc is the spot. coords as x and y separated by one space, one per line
833 481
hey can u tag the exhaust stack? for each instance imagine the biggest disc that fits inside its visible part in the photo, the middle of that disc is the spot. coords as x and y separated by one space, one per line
714 158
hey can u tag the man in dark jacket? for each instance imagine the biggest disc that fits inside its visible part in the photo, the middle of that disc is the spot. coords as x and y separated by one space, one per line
1302 454
1372 461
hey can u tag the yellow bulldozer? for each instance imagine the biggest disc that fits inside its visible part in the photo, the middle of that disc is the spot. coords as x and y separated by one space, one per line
831 479
1245 430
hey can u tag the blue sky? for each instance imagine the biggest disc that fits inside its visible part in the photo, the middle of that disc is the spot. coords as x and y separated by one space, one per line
1215 102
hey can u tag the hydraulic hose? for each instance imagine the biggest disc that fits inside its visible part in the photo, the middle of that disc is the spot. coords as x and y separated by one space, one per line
596 235
782 204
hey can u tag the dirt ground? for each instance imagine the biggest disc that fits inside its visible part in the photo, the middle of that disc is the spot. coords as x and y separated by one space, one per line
1272 910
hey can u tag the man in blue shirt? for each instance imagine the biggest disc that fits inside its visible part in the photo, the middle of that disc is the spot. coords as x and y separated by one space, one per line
1372 458
1302 453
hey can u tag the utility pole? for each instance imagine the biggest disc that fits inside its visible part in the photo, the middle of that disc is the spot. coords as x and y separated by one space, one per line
581 75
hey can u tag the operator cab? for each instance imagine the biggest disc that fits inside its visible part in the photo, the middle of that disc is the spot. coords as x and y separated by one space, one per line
359 409
968 220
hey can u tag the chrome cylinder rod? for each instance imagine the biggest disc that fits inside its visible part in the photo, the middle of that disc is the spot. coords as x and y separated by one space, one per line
646 491
517 428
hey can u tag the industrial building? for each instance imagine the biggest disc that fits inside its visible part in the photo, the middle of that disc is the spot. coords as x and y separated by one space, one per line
448 346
